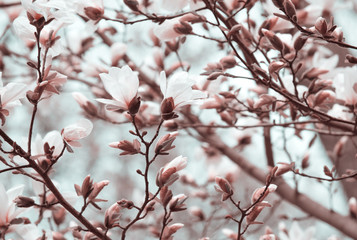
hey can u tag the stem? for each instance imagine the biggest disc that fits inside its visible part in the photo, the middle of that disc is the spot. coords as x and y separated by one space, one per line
29 141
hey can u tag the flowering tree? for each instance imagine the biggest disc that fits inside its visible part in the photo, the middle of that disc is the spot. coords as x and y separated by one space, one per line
246 90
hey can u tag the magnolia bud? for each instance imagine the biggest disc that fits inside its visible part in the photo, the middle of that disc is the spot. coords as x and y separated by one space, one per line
167 108
24 202
94 13
134 105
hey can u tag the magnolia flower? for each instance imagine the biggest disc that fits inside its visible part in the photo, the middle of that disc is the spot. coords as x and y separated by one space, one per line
296 233
55 145
36 9
7 205
257 195
170 230
72 133
85 104
177 91
346 84
230 234
177 204
48 35
122 84
112 215
168 174
165 143
93 10
9 97
117 51
165 31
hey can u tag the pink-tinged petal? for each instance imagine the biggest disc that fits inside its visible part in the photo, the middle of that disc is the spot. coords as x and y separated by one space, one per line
179 163
24 29
179 88
28 231
117 50
37 145
7 205
130 83
54 139
77 131
110 85
163 83
122 84
12 92
112 103
3 204
165 31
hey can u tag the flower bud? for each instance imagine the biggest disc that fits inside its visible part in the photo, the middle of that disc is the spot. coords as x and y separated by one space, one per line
167 108
24 202
183 28
321 25
134 105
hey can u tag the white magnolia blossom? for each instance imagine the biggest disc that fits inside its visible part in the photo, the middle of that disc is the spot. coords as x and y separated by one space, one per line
345 83
53 139
179 88
72 133
8 210
122 84
165 31
296 233
117 51
10 95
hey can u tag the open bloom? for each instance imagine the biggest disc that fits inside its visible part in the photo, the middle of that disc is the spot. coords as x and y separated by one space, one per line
122 84
9 97
51 145
72 133
177 92
296 233
7 205
346 84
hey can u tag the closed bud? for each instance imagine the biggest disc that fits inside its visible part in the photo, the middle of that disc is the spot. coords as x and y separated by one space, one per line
299 43
228 62
165 195
321 25
132 4
284 168
112 215
167 108
33 97
273 39
290 9
327 171
134 105
351 59
94 13
126 204
223 187
183 28
24 202
197 212
87 186
214 76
